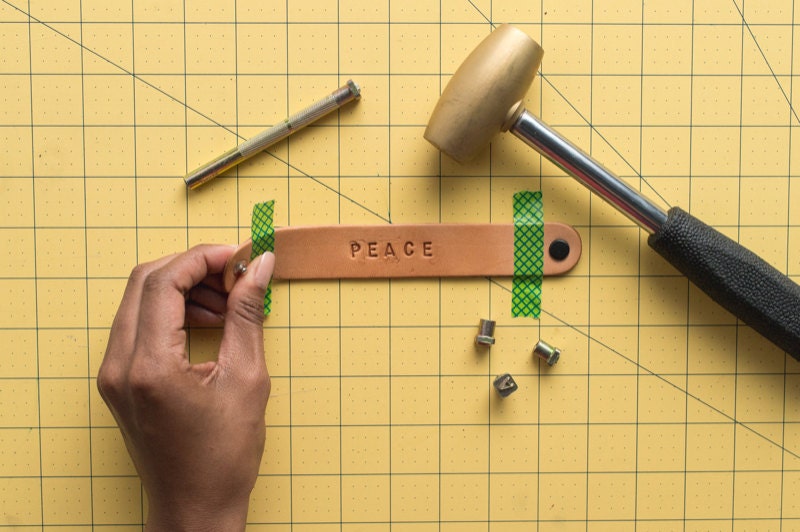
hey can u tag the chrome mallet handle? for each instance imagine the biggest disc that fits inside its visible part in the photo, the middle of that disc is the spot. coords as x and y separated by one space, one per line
592 174
739 280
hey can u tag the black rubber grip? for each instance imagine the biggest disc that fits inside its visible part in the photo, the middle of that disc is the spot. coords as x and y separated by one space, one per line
736 278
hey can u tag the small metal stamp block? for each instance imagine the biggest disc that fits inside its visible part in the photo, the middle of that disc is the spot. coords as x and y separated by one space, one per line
485 334
505 385
547 352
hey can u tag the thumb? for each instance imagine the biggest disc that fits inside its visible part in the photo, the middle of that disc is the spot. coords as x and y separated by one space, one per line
242 346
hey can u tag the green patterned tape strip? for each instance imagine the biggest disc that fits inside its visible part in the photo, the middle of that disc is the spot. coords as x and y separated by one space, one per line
263 235
526 291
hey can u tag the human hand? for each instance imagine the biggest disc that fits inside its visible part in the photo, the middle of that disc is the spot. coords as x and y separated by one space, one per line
195 432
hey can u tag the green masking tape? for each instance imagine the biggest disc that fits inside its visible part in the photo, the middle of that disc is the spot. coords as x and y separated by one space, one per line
526 291
263 236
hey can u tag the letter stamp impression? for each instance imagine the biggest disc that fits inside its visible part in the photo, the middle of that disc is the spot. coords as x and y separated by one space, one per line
391 251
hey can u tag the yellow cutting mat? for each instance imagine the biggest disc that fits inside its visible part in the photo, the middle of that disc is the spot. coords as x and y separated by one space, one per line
663 413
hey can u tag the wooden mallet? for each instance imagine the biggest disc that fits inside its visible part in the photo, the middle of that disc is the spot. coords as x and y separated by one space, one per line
484 97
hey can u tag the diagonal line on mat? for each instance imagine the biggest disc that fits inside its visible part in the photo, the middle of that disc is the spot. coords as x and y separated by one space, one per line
481 13
613 148
766 61
661 378
636 172
119 67
189 107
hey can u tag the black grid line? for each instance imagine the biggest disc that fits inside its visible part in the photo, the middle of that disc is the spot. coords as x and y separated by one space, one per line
585 330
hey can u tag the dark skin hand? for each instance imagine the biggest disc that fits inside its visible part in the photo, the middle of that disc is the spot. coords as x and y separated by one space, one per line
195 432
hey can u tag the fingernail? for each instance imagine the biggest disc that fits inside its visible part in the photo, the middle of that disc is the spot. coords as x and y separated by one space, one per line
263 269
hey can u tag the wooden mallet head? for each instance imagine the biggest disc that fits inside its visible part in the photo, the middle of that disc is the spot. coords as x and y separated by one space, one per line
485 94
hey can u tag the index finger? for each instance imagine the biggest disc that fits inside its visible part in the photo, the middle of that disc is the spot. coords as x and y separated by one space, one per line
163 308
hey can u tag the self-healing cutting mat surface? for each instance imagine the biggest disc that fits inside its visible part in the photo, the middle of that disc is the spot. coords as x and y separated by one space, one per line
663 413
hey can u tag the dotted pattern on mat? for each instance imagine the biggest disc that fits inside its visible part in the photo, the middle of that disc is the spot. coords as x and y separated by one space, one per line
664 413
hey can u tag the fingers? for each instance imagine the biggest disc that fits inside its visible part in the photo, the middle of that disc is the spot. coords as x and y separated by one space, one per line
111 376
242 347
205 306
162 312
158 298
123 329
215 283
201 317
164 295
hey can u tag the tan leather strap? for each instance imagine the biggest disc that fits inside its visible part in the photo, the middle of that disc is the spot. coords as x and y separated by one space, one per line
397 251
